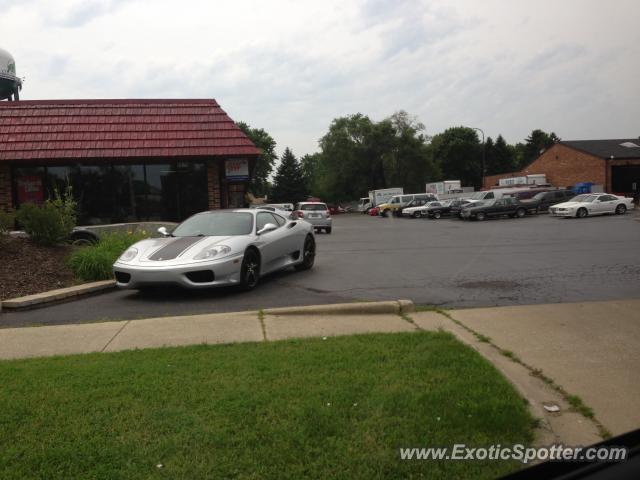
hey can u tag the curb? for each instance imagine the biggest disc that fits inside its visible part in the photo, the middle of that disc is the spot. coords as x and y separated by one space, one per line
397 307
51 296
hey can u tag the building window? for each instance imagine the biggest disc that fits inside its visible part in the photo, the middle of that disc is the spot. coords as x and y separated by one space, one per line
119 193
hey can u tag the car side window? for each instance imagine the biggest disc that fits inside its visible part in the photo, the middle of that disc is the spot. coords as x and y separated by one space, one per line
262 219
489 195
280 220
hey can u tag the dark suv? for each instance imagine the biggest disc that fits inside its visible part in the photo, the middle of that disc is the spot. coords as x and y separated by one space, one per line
541 202
505 206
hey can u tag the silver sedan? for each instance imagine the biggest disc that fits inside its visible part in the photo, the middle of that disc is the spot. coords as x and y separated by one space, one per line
217 248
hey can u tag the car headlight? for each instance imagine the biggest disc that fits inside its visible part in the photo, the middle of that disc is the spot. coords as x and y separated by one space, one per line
129 254
213 252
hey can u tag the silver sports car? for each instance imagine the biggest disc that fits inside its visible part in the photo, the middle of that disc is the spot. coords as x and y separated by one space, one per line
221 247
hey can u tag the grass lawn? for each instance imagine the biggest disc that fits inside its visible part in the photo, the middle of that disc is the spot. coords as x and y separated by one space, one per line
335 408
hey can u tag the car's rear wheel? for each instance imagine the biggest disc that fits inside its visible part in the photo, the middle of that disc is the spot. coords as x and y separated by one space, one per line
308 254
520 212
621 209
385 213
436 215
480 216
250 270
581 213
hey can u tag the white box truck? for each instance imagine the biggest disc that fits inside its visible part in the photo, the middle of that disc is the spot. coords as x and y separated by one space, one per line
376 197
444 188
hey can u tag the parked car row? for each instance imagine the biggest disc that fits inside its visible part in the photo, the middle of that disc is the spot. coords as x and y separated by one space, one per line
555 202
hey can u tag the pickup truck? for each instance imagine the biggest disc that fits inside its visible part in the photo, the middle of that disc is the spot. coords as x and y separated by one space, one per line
505 206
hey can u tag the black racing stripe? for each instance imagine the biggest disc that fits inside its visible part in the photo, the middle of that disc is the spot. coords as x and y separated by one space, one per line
174 249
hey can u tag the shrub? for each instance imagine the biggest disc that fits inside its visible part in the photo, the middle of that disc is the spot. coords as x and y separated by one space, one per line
94 262
7 222
52 222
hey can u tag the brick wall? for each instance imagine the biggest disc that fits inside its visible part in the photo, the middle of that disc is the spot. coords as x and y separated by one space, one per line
5 187
213 185
563 166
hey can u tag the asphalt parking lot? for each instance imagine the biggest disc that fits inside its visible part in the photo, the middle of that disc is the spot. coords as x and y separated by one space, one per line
446 262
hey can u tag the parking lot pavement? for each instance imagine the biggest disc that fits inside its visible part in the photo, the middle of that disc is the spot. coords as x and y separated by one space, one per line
446 262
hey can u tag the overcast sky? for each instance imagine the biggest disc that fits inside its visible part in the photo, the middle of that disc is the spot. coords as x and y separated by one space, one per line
290 67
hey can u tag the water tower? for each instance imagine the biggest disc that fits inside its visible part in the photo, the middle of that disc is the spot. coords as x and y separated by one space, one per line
10 84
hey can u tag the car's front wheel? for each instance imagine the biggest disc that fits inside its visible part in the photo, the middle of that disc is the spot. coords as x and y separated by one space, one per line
436 215
581 213
328 229
250 270
521 212
308 254
416 214
621 209
480 216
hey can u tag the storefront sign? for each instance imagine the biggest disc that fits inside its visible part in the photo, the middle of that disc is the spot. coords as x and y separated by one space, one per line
237 169
30 189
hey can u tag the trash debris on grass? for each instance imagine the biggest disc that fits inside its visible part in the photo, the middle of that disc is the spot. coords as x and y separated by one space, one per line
552 408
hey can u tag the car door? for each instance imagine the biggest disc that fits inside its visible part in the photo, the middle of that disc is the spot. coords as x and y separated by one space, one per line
497 208
272 245
606 204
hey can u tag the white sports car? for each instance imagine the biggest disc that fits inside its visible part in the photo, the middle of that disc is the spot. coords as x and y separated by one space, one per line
216 248
592 204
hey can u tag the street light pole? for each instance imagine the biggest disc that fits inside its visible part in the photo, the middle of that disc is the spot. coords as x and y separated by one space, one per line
483 153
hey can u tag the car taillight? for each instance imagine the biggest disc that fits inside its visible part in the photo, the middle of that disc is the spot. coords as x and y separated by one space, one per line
328 214
300 214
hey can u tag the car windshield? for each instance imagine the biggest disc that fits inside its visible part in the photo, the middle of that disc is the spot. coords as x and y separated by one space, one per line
215 224
478 195
584 198
313 206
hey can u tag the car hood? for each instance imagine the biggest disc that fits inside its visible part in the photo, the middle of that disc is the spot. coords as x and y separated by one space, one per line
180 250
570 205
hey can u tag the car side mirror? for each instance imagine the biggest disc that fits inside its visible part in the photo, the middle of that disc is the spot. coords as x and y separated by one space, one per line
269 227
163 231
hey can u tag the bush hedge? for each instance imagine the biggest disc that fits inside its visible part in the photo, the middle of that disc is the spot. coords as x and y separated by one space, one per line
93 263
50 223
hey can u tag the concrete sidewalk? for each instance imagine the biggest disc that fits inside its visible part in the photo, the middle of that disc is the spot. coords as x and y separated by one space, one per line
272 324
590 349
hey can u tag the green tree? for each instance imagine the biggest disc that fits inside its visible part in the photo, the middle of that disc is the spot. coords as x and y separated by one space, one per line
458 152
289 182
259 185
311 164
499 156
536 143
351 162
358 155
408 162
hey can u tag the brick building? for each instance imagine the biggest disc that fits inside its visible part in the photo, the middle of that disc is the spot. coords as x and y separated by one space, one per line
126 160
614 164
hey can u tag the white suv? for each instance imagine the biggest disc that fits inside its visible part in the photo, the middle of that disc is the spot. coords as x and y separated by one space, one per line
316 213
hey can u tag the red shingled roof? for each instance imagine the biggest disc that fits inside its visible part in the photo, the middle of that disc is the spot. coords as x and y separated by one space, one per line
90 129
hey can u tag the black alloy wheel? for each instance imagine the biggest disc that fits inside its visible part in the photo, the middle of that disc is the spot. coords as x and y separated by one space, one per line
308 254
250 270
